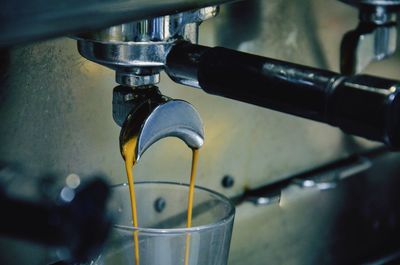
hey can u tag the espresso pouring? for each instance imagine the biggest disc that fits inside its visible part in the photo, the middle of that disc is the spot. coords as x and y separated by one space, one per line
128 151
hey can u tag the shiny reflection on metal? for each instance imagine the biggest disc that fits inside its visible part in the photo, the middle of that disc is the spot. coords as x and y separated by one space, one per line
360 49
158 29
378 15
176 118
331 179
131 79
374 39
151 116
141 44
264 201
325 185
320 179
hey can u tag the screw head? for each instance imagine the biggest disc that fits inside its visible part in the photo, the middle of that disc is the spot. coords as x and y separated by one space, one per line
159 204
227 181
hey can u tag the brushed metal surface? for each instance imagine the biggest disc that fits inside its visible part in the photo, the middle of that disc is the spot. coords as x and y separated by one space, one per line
55 109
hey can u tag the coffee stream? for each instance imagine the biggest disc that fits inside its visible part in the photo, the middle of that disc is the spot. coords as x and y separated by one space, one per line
128 151
195 159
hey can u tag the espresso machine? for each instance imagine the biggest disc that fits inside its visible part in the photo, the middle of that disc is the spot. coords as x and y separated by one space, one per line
293 103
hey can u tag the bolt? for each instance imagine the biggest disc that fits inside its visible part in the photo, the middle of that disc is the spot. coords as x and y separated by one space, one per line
159 204
129 97
227 181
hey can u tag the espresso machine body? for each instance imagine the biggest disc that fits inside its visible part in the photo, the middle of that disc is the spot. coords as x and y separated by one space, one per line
305 192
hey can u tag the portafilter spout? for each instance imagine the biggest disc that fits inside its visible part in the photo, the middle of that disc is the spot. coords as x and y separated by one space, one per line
137 52
154 117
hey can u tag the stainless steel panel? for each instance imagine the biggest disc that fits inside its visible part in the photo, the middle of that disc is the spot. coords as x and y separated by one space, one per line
354 223
56 117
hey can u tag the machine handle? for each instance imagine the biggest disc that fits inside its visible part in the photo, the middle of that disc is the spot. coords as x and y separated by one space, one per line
80 226
362 105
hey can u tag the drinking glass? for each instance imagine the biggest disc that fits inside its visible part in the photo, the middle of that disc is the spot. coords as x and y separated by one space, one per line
162 233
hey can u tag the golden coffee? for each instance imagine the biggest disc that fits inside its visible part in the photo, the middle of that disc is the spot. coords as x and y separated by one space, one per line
195 158
128 152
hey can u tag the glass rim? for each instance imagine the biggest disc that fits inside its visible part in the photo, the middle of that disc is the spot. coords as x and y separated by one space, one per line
143 230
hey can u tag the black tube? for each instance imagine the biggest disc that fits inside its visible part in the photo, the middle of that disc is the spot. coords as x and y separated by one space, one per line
361 105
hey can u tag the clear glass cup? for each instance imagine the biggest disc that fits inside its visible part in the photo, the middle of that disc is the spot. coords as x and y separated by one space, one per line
163 237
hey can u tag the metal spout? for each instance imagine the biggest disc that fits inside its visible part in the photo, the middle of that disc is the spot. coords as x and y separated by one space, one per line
375 37
156 117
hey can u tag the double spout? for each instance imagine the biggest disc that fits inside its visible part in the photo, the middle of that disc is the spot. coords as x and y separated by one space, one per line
148 116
